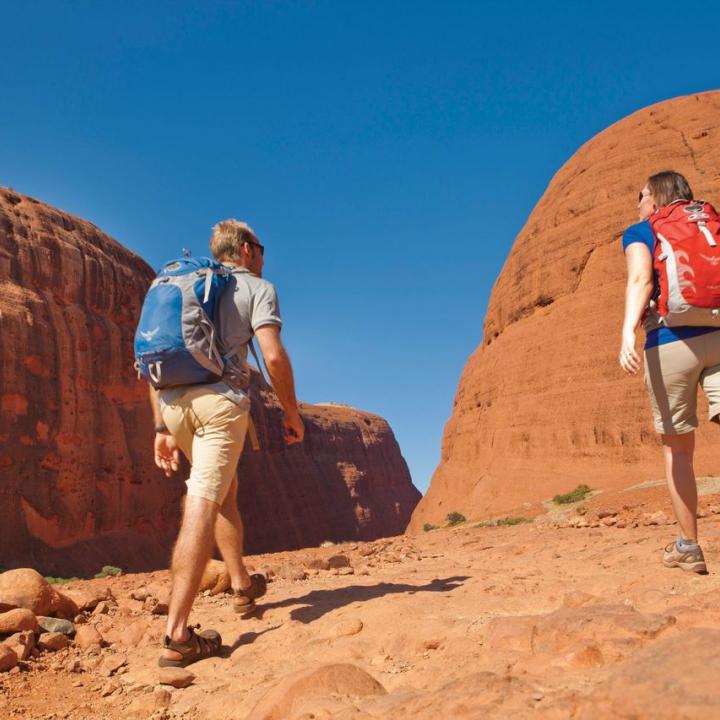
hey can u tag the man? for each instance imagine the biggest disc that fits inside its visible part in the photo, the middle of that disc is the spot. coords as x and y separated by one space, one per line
209 423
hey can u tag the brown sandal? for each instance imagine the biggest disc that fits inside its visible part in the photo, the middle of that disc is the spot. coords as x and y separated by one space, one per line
244 600
197 647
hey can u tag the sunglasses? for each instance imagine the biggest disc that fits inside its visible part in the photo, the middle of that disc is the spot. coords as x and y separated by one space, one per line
262 247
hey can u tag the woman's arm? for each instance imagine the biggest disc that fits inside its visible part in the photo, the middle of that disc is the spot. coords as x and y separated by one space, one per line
637 295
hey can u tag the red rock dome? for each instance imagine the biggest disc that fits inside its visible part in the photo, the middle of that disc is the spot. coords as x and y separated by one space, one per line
542 405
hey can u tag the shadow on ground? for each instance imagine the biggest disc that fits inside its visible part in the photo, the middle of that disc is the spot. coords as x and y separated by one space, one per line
319 602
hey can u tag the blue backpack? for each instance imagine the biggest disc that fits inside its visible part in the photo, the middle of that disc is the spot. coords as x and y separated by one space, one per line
175 341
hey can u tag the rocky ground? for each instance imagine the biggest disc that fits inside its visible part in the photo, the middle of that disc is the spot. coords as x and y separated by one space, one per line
570 616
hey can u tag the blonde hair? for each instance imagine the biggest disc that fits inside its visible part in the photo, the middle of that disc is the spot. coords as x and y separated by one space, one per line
227 239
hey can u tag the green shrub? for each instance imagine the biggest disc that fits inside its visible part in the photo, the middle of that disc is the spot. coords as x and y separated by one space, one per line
429 526
512 521
573 496
59 580
455 518
108 571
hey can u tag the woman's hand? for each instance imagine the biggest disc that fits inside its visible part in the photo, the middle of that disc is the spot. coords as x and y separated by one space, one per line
629 359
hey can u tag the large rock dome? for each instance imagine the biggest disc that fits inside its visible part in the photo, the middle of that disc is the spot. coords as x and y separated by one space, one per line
78 486
542 405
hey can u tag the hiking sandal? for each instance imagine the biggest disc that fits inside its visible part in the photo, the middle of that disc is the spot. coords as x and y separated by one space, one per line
244 600
197 647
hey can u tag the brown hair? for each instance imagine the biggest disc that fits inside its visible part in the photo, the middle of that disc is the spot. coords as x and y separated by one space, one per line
227 238
668 186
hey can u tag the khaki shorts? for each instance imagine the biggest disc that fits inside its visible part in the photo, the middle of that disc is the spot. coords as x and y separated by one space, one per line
210 430
673 372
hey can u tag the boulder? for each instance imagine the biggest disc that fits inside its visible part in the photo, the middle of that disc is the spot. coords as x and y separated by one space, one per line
50 624
22 643
53 641
526 422
87 636
327 680
17 620
216 578
8 658
25 588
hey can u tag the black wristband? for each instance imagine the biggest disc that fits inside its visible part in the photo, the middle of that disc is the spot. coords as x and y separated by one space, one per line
161 428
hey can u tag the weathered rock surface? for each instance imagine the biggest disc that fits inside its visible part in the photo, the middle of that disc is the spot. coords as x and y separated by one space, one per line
78 486
542 405
531 621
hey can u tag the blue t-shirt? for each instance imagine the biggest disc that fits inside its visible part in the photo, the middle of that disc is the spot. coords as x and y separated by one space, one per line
641 232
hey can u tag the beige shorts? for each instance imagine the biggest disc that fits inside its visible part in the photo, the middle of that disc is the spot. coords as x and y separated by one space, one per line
210 430
673 372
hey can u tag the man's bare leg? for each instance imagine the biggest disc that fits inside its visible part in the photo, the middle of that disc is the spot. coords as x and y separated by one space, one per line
190 556
229 539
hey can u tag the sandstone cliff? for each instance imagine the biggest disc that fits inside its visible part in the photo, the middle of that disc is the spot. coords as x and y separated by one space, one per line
542 404
78 488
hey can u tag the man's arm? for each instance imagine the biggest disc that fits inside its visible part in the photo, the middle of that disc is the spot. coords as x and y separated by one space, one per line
167 456
280 371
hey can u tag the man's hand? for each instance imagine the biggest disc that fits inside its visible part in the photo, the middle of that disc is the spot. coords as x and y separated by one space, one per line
167 456
293 428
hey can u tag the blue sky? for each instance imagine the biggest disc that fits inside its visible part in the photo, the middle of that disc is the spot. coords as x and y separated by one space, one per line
386 153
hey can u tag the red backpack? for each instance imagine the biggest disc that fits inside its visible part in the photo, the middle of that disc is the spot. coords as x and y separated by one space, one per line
687 262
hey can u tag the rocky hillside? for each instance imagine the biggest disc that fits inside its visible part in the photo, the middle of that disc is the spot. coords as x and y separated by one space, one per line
542 405
78 487
572 616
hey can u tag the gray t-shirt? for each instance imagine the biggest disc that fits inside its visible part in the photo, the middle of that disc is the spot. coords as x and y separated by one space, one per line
247 303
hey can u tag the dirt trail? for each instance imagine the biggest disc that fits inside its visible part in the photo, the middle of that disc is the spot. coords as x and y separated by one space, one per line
533 620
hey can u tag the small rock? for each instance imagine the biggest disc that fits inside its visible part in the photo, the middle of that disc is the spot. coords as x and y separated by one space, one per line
109 688
327 543
367 550
161 608
17 620
79 619
317 563
177 677
656 518
606 514
73 666
8 658
23 643
50 624
338 561
609 520
87 598
297 574
346 628
347 571
102 608
112 664
87 636
142 594
53 641
162 698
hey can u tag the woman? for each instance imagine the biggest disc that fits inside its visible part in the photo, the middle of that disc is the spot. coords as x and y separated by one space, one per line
676 360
